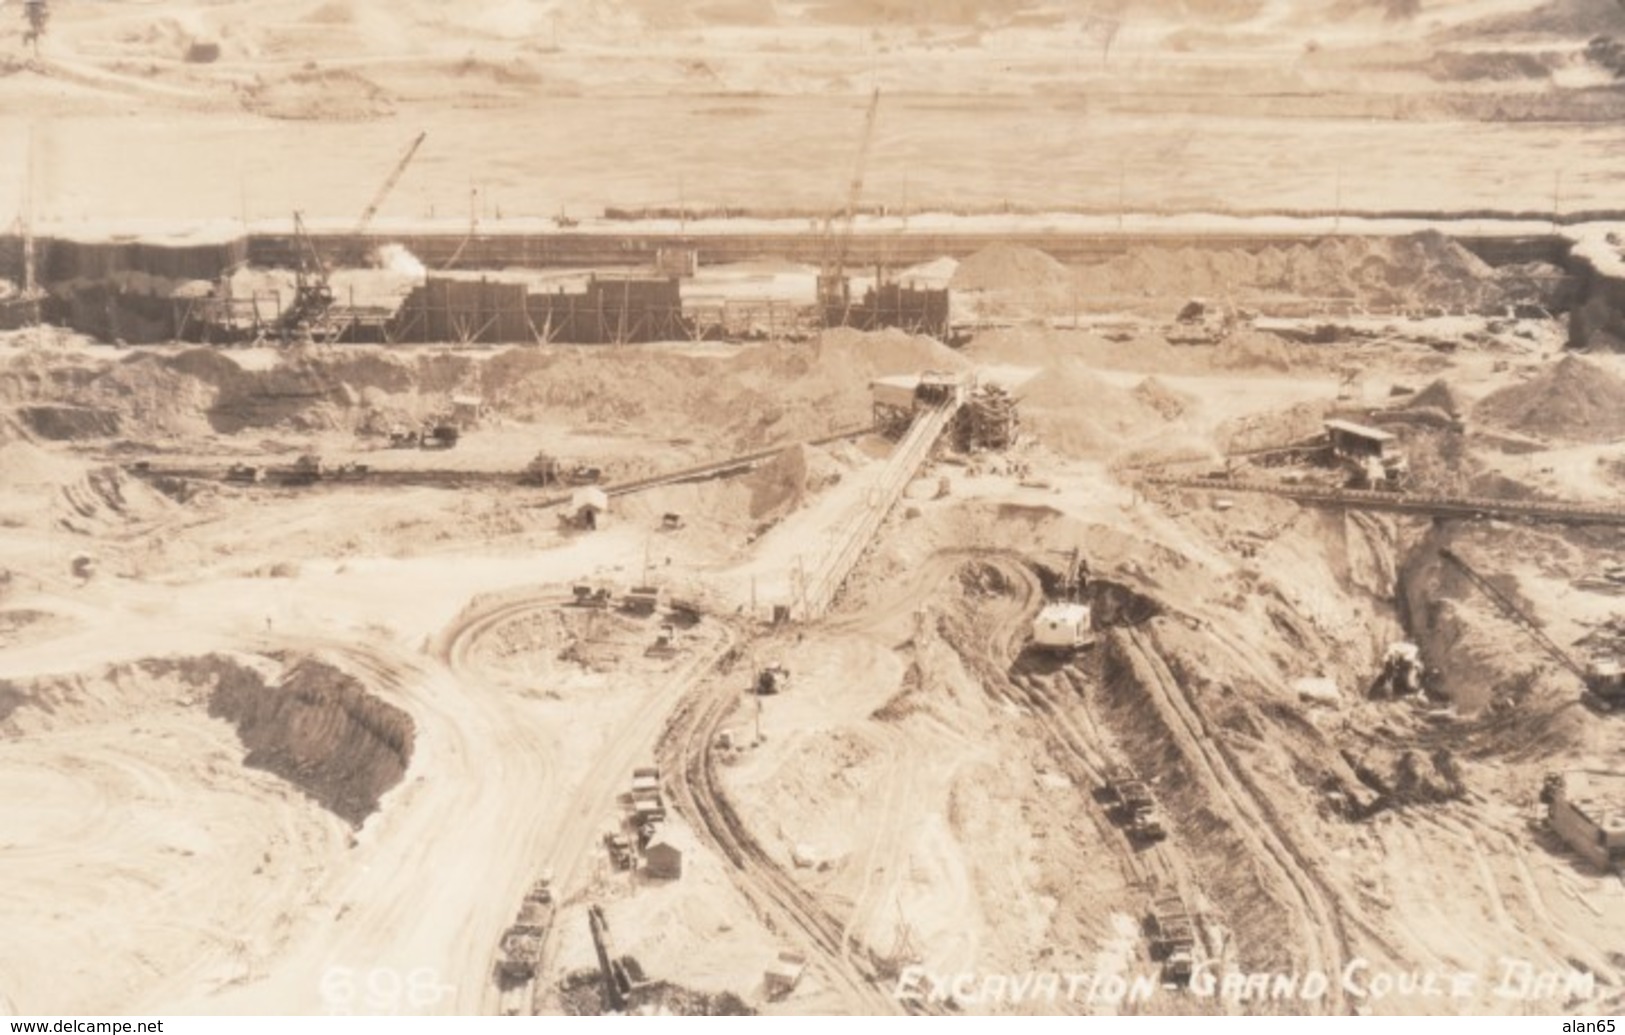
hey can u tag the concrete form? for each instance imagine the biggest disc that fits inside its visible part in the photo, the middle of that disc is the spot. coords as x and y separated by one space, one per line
1588 812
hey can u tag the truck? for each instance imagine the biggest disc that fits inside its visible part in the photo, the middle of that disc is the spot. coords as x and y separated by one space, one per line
1171 933
1130 802
646 782
521 944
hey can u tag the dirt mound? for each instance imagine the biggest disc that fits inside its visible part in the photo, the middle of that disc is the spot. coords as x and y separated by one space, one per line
69 423
1574 399
1077 413
1169 403
1011 268
1441 396
23 464
777 486
748 399
1424 269
317 94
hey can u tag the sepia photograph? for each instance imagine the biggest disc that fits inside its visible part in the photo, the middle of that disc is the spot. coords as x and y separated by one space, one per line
806 508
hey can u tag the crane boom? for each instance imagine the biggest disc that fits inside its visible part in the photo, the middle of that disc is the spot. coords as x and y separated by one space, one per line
389 185
1515 613
837 244
855 190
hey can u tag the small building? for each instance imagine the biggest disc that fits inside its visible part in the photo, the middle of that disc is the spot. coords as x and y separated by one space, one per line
588 507
1588 812
784 974
467 410
663 856
1357 441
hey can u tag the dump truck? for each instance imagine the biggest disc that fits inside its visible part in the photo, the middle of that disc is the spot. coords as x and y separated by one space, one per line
1172 936
1130 802
521 944
646 782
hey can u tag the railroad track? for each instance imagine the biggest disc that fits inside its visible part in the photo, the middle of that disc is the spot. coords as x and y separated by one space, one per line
1322 923
447 478
1463 507
784 906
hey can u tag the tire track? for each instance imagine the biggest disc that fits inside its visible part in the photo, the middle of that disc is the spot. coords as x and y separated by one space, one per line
783 905
1318 916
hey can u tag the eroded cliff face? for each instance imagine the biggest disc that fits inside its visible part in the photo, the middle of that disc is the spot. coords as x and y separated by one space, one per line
306 721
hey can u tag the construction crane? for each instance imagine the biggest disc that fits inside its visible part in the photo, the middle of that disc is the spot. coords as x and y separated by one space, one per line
38 15
389 185
834 293
312 290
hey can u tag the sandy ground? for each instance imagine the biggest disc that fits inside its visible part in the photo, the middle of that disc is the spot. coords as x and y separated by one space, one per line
974 803
922 800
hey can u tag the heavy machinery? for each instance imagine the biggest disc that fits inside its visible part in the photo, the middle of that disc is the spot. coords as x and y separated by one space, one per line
771 680
1402 672
1603 678
546 469
1129 801
618 984
521 944
1066 623
309 317
307 470
37 14
620 850
589 596
1172 936
394 177
834 290
441 436
246 473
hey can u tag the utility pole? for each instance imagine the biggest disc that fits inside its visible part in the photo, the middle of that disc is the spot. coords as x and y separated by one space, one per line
30 274
1337 209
